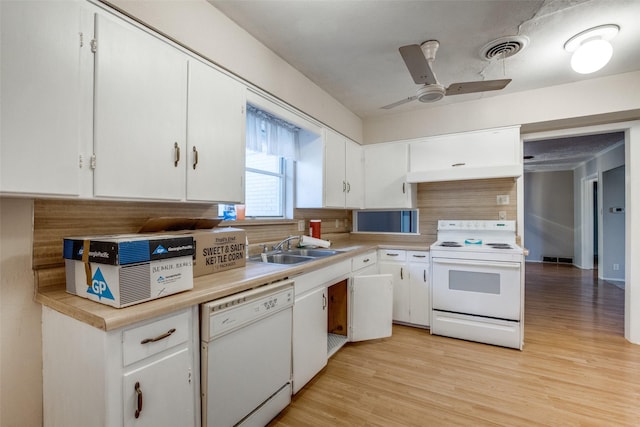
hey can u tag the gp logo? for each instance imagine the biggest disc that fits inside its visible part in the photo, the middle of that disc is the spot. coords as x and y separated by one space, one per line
99 286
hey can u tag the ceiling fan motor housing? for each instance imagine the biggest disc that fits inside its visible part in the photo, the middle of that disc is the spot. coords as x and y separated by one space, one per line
431 93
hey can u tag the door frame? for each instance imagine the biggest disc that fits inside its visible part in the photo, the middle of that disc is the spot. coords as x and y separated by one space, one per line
588 220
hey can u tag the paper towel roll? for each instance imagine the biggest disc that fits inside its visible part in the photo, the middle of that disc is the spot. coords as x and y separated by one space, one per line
312 241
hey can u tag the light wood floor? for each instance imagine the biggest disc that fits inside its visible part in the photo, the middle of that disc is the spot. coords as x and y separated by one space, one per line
576 369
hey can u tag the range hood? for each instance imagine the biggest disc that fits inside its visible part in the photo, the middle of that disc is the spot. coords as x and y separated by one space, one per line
462 172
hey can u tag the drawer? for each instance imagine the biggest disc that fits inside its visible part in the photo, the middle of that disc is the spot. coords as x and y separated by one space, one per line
391 255
418 256
152 338
364 260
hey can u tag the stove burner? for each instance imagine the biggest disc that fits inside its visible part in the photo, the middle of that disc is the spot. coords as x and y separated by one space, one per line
500 245
450 244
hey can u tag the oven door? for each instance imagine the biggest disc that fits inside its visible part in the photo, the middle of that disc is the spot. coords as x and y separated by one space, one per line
481 288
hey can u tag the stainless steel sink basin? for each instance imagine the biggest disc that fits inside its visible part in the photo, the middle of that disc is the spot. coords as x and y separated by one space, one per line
281 258
293 256
315 253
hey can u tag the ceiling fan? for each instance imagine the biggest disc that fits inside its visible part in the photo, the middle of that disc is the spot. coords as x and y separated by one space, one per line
419 60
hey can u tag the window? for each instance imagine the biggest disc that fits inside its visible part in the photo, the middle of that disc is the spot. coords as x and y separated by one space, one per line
264 185
387 221
271 148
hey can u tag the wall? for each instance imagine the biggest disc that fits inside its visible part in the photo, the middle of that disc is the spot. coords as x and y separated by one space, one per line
593 169
205 30
548 214
613 241
601 96
20 336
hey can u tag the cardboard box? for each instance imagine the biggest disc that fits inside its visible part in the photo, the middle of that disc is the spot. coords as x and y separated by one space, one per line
124 270
216 249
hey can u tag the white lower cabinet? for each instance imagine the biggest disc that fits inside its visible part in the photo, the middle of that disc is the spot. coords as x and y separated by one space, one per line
335 305
309 336
146 374
410 272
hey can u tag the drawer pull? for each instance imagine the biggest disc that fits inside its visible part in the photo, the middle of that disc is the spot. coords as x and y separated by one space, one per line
366 260
159 337
390 254
139 399
419 256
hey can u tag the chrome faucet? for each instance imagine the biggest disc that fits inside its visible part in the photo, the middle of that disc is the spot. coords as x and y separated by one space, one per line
288 240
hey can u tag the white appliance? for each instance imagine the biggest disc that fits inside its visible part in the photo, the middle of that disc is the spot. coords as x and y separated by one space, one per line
246 356
477 282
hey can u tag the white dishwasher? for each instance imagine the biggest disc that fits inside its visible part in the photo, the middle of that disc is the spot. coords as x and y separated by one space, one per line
246 356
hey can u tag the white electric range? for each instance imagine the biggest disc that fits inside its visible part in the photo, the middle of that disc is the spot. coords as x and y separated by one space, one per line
477 282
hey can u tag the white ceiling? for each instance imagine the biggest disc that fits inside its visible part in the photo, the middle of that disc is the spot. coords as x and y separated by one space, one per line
350 47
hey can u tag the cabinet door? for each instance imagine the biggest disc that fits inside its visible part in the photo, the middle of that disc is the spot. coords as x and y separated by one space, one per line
419 289
385 171
335 184
215 136
309 336
41 91
401 291
163 390
354 175
371 307
477 149
140 114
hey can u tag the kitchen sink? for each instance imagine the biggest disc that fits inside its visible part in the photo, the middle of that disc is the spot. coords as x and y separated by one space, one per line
293 256
315 253
280 258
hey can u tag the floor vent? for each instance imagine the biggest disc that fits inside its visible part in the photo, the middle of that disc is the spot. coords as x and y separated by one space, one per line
557 260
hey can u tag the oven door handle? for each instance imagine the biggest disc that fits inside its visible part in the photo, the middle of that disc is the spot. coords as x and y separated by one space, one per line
505 264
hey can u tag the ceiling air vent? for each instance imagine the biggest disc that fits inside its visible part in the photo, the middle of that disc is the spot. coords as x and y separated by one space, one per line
503 47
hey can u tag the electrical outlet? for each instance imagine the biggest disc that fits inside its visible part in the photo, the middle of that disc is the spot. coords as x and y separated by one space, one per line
337 223
502 215
616 267
301 225
502 199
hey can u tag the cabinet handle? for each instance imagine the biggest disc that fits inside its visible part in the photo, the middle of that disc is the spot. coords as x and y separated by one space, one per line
391 254
348 187
366 260
324 301
455 165
419 256
344 186
195 157
159 337
401 275
139 399
403 188
176 157
424 275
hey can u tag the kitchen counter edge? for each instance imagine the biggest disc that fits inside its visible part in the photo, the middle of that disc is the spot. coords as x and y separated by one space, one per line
205 289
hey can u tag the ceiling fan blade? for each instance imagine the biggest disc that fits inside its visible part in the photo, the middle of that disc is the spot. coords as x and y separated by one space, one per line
479 86
403 101
417 64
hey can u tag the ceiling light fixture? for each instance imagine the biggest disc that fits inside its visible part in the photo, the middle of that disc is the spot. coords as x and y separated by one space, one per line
591 48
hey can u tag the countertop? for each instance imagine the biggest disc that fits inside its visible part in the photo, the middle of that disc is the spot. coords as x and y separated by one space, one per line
205 288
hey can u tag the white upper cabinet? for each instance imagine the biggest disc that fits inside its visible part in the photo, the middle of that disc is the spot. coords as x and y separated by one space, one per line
335 184
385 172
330 173
215 135
140 111
354 175
490 153
43 49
